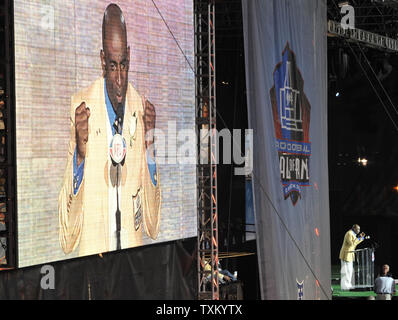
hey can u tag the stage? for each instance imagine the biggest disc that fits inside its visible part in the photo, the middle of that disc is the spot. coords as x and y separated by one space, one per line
338 294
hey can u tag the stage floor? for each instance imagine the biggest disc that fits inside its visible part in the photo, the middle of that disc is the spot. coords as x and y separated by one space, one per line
339 294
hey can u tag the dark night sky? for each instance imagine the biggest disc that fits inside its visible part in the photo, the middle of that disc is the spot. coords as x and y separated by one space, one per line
359 126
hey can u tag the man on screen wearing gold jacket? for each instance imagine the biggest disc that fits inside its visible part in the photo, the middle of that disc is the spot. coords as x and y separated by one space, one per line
94 189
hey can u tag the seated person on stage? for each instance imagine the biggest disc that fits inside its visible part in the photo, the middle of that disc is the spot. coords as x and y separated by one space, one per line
224 276
228 276
384 284
347 254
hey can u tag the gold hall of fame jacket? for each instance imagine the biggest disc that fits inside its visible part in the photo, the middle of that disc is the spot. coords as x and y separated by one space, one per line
349 244
84 217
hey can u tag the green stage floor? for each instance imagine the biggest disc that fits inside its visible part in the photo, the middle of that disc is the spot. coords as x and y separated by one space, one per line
338 293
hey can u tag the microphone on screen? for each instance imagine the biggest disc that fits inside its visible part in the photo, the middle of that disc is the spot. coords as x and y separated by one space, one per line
117 148
119 118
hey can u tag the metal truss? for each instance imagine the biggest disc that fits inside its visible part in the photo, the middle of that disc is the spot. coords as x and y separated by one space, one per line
377 16
7 145
365 37
205 66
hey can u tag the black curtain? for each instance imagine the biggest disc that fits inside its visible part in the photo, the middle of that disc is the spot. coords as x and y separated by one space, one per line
159 272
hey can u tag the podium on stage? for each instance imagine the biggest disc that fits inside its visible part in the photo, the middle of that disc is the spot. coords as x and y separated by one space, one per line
232 291
364 268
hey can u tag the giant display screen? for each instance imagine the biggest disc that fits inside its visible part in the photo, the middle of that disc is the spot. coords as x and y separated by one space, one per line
105 111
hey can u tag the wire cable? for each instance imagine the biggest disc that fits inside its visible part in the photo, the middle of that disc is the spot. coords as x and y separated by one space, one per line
172 34
374 89
370 81
380 83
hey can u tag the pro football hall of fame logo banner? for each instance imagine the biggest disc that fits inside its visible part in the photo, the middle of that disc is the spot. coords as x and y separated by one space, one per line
291 115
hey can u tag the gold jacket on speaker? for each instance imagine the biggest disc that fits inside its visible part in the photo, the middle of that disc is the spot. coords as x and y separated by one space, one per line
350 243
84 217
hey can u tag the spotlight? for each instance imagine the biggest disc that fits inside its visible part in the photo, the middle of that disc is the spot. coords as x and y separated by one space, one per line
363 162
337 94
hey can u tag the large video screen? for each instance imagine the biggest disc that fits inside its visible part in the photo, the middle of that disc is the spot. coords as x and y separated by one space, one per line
105 113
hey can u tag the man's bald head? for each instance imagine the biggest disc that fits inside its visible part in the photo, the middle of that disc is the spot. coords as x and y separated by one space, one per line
115 56
356 228
113 22
385 269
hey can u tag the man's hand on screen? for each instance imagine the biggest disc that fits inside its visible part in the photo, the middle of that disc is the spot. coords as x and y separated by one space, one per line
149 123
82 113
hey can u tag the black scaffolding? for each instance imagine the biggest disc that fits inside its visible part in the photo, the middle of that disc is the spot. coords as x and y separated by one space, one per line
7 139
206 114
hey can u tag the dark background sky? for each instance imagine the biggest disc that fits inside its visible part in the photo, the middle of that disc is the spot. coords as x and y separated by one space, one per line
359 127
